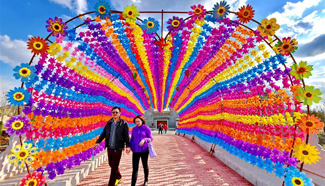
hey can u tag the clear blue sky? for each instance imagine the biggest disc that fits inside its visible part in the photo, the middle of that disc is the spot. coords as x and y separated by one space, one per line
20 19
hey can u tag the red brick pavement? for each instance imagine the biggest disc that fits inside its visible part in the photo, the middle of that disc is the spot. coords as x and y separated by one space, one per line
179 161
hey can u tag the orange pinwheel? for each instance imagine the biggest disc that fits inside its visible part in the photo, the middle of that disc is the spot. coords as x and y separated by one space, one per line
310 124
37 45
245 14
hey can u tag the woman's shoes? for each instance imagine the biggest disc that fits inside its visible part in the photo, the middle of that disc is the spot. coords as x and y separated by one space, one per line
145 183
118 181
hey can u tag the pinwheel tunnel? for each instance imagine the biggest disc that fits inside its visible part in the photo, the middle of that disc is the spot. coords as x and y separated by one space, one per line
231 86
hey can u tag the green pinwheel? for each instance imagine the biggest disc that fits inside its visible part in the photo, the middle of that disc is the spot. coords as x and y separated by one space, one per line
309 95
302 70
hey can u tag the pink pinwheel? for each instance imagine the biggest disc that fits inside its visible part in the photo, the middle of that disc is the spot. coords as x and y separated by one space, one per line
36 179
198 12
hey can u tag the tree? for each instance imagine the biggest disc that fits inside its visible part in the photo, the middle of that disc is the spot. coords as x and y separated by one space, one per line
3 102
1 126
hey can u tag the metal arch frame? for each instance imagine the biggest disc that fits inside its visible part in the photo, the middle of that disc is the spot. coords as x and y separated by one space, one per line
164 39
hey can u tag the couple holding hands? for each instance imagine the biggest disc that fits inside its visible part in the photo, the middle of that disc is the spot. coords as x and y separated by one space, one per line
116 135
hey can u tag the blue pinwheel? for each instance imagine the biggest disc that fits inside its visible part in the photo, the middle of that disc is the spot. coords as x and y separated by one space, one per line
24 72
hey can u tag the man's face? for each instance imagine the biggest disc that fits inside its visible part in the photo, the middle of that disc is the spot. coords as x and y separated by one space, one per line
116 113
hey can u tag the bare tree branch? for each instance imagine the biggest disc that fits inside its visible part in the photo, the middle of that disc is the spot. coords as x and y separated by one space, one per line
3 102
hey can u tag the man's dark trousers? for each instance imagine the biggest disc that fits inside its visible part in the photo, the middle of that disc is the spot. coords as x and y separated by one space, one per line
114 157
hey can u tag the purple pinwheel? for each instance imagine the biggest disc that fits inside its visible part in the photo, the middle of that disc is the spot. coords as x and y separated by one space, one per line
56 26
175 24
19 124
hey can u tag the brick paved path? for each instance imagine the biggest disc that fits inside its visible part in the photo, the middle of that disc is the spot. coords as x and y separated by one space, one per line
179 162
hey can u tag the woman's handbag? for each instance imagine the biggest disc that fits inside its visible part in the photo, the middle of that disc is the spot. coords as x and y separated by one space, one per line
152 151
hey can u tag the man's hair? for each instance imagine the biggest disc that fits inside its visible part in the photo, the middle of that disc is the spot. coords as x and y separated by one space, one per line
141 118
116 108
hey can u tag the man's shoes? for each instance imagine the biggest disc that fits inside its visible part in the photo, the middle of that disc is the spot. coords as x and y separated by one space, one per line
118 181
145 183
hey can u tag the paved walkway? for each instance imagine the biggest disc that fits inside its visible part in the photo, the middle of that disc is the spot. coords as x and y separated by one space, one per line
179 161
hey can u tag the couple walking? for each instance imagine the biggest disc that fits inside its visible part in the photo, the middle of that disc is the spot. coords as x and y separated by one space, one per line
162 127
116 135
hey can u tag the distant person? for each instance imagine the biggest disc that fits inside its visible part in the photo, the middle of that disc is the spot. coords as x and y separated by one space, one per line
140 138
160 128
116 135
165 127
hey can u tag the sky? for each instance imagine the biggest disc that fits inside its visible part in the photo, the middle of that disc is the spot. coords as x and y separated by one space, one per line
22 19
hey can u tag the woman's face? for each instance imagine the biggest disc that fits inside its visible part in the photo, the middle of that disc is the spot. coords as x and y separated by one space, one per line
138 122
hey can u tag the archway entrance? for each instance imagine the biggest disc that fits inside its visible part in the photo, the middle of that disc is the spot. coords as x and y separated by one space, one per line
167 117
161 122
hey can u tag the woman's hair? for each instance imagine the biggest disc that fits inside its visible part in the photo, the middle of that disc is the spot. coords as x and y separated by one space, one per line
140 117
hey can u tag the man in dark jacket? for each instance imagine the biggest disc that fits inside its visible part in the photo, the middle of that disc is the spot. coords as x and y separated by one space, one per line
116 134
